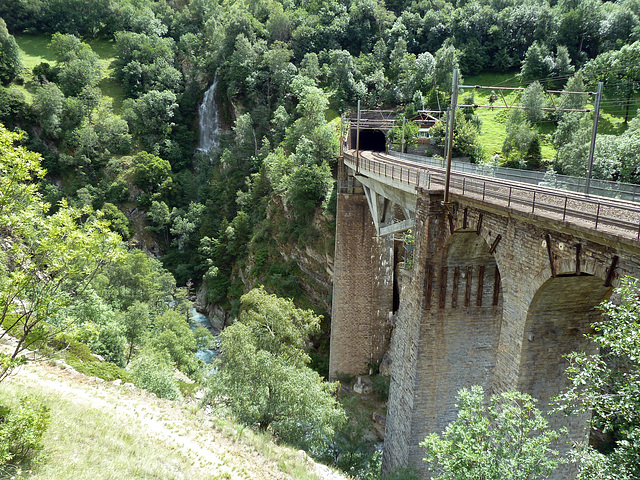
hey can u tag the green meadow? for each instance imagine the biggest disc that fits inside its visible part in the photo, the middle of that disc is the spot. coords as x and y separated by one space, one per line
35 50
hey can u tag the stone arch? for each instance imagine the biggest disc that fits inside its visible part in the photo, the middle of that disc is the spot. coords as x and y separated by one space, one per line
560 313
466 311
470 253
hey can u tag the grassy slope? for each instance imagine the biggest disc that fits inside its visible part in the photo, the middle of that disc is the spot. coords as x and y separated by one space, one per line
494 120
34 49
101 431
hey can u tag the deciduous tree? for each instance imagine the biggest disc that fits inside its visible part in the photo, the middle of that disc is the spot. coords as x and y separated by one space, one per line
262 374
508 439
46 261
608 384
10 64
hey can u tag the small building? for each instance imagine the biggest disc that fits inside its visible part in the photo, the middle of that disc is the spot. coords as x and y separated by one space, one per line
425 120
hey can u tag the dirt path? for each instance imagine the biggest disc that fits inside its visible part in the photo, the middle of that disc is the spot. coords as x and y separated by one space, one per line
184 428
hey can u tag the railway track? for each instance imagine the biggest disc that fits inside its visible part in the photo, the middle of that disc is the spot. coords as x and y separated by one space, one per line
617 217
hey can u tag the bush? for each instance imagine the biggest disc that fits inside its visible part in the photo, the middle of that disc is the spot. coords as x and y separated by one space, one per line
110 344
381 386
74 351
106 370
405 473
152 372
21 430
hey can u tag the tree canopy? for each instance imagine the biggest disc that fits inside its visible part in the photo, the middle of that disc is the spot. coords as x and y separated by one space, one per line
508 439
608 384
262 373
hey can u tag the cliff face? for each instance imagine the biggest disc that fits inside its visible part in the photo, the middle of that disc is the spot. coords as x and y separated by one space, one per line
296 266
316 272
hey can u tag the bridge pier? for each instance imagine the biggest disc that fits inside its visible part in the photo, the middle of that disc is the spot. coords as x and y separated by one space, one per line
362 288
447 330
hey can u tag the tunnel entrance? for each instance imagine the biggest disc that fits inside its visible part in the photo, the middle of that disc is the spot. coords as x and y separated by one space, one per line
374 140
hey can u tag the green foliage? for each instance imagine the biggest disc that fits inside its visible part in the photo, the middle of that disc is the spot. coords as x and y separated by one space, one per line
615 157
10 65
13 106
151 116
406 473
136 325
145 63
48 104
21 430
118 222
381 386
150 171
446 61
71 348
78 66
308 188
521 146
410 130
607 383
507 439
262 374
135 277
106 370
349 449
533 100
171 335
537 62
152 371
50 260
465 137
620 71
110 343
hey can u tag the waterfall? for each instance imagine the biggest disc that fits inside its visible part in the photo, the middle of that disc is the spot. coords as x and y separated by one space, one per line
209 122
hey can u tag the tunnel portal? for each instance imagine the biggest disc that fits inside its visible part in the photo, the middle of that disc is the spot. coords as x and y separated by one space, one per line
374 140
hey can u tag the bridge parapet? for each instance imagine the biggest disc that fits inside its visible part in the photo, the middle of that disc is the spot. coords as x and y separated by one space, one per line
618 218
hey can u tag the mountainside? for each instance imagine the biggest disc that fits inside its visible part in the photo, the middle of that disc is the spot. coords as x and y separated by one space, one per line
102 430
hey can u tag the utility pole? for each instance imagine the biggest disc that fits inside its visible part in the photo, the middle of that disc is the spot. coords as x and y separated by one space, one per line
594 131
358 139
446 137
402 141
341 133
452 122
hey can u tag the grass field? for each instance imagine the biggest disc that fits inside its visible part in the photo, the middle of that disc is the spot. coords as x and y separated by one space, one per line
494 120
35 50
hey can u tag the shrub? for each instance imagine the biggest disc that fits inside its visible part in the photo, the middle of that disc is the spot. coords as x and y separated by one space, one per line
21 430
74 351
152 372
381 386
106 370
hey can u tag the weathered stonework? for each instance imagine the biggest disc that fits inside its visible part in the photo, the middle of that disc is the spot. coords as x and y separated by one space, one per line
495 298
362 289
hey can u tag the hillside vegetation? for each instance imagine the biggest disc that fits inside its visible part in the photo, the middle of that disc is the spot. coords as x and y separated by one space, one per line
104 431
113 211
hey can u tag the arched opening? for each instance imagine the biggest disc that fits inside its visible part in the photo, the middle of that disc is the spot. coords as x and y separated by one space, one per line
561 312
465 314
373 140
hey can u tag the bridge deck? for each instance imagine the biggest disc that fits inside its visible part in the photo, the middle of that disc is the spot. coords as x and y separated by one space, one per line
617 217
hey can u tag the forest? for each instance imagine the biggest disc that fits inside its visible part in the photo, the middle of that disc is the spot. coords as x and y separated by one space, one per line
105 94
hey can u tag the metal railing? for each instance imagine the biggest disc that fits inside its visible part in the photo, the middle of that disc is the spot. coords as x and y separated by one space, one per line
618 217
603 188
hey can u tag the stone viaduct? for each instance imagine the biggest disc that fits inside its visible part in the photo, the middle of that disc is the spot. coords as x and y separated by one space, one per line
501 284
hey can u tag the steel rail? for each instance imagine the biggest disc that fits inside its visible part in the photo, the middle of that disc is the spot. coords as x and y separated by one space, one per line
602 214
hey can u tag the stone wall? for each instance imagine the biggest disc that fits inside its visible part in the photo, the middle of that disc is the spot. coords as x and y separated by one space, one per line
362 289
495 298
